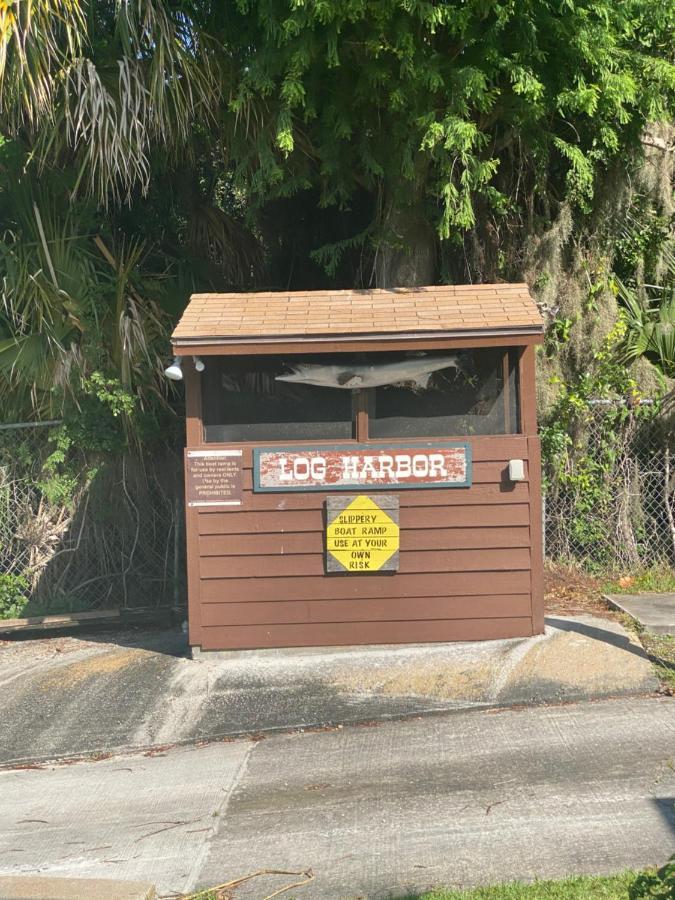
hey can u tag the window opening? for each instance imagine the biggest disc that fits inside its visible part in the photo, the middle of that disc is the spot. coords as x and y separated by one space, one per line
478 397
243 401
361 396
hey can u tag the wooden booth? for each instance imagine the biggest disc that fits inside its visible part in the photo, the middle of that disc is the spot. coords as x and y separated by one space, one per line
362 467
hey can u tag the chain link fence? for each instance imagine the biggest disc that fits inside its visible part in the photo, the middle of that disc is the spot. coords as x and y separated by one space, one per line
610 489
115 541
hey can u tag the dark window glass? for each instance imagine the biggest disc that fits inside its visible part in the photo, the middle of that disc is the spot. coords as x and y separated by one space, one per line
242 401
478 396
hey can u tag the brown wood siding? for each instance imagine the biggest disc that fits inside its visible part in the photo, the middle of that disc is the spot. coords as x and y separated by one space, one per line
282 543
327 634
466 568
298 587
370 609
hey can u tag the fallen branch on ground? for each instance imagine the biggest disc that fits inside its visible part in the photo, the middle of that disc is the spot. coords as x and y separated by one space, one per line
307 874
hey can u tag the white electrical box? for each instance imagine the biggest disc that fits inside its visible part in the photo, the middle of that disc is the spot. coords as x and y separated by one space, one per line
516 470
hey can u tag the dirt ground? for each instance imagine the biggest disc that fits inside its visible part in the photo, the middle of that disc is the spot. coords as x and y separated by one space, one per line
570 592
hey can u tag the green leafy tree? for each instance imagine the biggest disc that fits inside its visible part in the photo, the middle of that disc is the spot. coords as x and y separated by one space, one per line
451 117
153 147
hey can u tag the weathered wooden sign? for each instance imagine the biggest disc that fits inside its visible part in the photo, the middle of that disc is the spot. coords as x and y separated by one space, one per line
349 466
362 534
213 477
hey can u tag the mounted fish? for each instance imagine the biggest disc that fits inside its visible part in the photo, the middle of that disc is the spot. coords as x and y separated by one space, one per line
416 372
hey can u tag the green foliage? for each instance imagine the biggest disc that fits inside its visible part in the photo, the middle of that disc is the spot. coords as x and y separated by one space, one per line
650 328
558 332
573 464
644 282
437 101
152 150
60 478
655 884
13 595
104 84
464 111
71 302
103 419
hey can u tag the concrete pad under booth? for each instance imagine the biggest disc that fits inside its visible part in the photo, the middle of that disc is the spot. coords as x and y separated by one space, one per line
70 697
655 612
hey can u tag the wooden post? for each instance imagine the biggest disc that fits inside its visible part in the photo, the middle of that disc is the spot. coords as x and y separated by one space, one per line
506 392
528 423
194 429
195 438
528 391
361 404
536 535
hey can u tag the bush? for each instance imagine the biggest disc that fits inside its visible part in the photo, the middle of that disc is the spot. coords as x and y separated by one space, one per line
655 884
13 595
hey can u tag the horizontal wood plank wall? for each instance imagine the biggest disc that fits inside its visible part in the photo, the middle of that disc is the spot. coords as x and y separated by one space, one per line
465 566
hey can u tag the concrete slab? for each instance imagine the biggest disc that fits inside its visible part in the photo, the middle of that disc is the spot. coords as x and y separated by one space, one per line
70 696
470 798
143 818
36 888
655 612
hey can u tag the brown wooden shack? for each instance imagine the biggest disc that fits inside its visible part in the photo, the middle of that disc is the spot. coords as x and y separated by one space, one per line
418 403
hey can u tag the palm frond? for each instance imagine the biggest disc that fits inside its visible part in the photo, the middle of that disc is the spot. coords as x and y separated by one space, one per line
650 329
38 40
106 115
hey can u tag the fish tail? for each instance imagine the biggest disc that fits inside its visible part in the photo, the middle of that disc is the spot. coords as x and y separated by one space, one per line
421 382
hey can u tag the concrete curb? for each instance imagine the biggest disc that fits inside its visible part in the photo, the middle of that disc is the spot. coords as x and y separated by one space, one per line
33 887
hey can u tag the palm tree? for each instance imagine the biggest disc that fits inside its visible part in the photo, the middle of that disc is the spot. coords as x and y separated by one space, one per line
101 84
70 302
89 93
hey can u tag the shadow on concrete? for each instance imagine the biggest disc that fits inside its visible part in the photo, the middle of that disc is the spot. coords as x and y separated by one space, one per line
666 807
170 641
167 640
623 642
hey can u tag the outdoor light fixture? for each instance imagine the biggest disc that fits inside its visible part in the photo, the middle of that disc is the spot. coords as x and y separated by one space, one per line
199 365
174 371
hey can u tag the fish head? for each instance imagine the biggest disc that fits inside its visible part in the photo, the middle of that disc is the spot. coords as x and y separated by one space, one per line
309 373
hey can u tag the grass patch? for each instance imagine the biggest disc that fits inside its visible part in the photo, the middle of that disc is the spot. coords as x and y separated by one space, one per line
660 648
614 887
628 885
659 579
661 651
624 886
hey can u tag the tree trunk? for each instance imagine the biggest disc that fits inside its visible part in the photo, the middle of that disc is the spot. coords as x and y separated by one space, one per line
407 255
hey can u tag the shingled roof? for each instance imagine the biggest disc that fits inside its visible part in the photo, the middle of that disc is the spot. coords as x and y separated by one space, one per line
444 309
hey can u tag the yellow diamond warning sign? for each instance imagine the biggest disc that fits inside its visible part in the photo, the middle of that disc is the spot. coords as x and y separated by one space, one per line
362 534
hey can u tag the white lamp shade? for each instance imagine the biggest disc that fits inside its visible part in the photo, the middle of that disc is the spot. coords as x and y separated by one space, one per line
174 371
